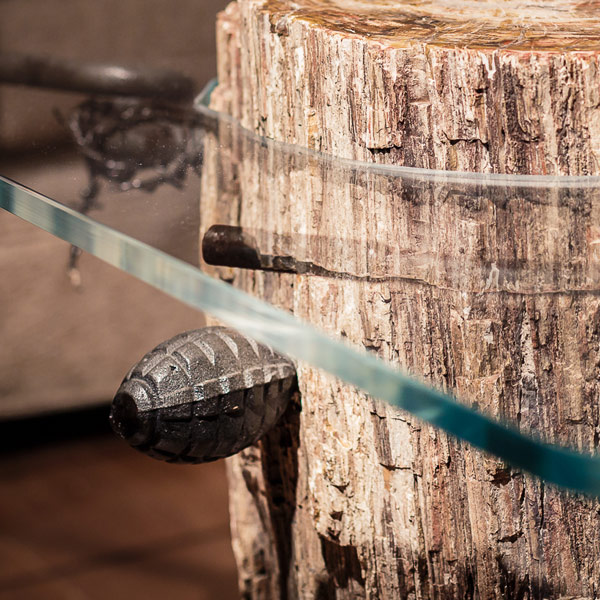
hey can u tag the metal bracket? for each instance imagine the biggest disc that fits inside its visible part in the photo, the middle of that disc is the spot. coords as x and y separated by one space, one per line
203 395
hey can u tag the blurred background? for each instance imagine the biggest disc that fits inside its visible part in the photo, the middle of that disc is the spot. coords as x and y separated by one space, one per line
81 514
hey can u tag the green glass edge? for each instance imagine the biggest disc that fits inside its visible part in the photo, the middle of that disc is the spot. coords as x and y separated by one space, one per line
290 335
490 180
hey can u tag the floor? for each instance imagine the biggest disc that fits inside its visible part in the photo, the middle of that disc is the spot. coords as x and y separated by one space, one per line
86 517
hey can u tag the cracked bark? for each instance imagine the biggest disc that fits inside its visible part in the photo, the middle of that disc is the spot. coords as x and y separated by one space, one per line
490 293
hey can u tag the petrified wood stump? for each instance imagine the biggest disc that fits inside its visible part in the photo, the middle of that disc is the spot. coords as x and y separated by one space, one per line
487 291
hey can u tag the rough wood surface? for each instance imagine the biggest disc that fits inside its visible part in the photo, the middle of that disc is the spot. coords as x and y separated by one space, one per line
488 292
508 87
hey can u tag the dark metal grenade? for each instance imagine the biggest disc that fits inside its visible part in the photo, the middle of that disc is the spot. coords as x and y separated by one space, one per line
202 395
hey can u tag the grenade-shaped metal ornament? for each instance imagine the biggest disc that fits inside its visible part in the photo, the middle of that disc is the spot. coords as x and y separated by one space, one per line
202 395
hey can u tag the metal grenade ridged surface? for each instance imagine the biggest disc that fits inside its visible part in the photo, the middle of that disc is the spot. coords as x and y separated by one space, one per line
202 395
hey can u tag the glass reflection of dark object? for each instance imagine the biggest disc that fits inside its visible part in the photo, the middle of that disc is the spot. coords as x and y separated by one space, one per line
138 139
231 246
56 73
133 144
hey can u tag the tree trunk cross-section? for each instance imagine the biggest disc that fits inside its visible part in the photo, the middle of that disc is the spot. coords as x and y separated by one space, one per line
489 292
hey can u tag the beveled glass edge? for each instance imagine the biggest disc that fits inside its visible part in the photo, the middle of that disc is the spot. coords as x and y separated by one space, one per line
202 105
290 335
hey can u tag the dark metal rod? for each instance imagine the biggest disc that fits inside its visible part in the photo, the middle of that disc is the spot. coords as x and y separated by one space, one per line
231 246
94 78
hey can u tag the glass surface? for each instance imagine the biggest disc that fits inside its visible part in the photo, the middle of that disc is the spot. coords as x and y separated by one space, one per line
155 180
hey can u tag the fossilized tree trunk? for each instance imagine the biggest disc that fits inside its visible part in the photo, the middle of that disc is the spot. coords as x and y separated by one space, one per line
485 291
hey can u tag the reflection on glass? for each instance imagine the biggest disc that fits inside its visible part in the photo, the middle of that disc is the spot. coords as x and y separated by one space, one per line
508 262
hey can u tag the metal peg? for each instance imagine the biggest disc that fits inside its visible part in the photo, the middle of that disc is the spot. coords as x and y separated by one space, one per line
202 395
231 246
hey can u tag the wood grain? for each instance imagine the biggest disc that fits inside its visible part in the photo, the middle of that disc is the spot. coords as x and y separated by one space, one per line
489 87
487 292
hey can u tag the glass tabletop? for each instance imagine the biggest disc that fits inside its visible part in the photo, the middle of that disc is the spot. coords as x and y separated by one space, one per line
161 190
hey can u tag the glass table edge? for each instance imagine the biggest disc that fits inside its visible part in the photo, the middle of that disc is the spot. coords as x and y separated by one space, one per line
291 336
500 180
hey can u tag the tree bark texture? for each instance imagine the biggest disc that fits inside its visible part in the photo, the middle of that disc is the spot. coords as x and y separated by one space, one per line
487 291
507 86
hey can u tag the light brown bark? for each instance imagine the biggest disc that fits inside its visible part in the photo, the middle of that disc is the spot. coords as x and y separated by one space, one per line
485 291
508 86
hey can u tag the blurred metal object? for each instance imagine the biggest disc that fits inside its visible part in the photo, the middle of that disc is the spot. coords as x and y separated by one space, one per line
133 144
123 138
95 79
203 395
